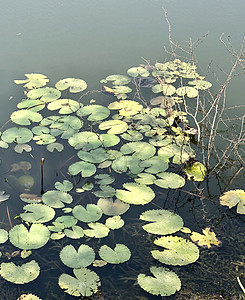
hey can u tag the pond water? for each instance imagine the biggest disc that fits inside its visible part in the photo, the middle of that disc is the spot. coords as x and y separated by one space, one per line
91 40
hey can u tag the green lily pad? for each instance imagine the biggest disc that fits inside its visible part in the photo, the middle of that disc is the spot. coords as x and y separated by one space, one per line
85 283
118 255
65 186
169 180
89 214
178 251
86 169
3 236
76 259
55 146
201 84
94 112
180 153
132 135
126 107
97 230
104 179
20 274
112 208
105 192
191 92
166 89
36 237
33 81
94 156
85 140
136 71
38 130
33 105
75 85
109 140
164 282
46 94
118 79
135 193
65 106
232 198
44 139
154 165
18 135
145 178
37 213
163 221
115 222
195 171
140 150
56 199
121 164
114 126
76 232
65 221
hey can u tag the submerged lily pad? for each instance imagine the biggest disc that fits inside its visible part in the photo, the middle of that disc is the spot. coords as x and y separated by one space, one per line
75 85
80 258
232 198
135 193
20 274
3 196
119 255
85 283
33 81
36 237
163 221
178 251
113 208
164 282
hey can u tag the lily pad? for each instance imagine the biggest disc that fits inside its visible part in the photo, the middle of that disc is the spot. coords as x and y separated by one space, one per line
86 169
76 232
94 156
112 208
56 199
232 198
55 146
166 89
109 140
132 135
44 139
140 150
178 251
22 147
85 140
118 79
85 283
169 180
191 92
89 214
115 222
20 274
154 165
75 85
94 112
65 186
65 221
207 239
76 259
145 178
126 107
33 105
28 297
201 84
19 135
136 71
118 255
98 230
135 193
195 171
37 213
164 282
46 94
3 196
24 117
36 237
65 106
33 81
114 126
3 236
163 221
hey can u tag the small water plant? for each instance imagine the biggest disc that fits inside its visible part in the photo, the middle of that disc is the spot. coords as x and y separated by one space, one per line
144 144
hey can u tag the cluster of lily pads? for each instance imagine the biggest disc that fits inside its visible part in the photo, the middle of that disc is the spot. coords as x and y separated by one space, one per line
139 140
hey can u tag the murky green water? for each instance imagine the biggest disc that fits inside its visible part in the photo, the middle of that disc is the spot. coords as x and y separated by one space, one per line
90 40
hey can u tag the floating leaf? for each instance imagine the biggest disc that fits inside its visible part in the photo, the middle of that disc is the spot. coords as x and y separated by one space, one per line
85 140
109 140
99 263
165 102
65 221
33 81
166 89
115 222
191 92
132 135
135 193
136 71
111 208
94 156
46 94
164 221
86 169
104 179
195 171
178 251
85 284
30 198
232 198
114 126
169 180
28 297
44 139
89 214
76 259
24 117
119 255
33 105
75 85
38 130
3 196
20 274
105 192
140 150
118 79
57 236
208 238
65 106
56 199
37 213
76 232
126 107
180 153
22 147
164 282
65 186
95 112
3 236
55 146
121 164
200 84
97 230
18 135
154 165
36 237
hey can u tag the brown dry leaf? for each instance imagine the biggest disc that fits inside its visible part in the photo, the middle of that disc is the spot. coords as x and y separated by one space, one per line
207 239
